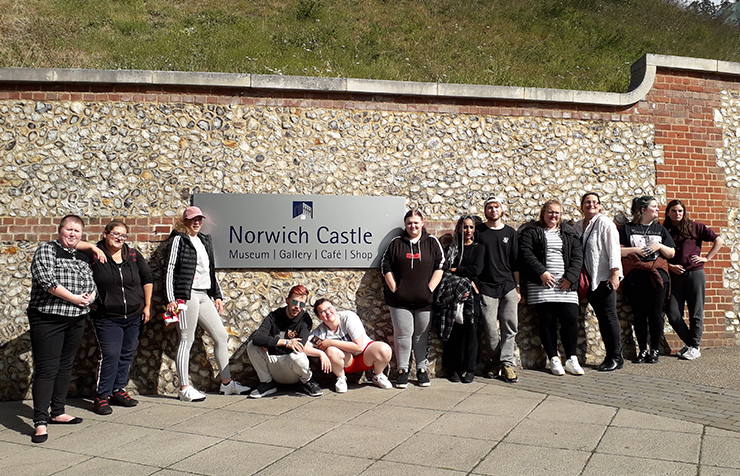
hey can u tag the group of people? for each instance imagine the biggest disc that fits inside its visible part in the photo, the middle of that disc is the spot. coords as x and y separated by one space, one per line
473 282
477 281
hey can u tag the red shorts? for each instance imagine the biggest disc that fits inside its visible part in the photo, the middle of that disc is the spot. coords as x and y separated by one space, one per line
358 363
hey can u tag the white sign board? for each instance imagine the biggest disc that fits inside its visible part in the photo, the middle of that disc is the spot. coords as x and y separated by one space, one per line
300 231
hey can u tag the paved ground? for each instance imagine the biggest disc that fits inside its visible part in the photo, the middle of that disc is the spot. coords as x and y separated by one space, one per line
633 421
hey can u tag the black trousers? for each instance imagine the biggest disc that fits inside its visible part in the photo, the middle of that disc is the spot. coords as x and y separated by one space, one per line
604 303
54 343
460 351
647 310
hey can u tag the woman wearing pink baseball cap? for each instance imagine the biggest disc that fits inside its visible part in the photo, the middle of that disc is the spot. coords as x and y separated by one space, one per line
190 276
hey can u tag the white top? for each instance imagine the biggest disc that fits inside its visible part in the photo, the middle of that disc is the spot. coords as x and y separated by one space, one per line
537 293
602 252
202 279
350 329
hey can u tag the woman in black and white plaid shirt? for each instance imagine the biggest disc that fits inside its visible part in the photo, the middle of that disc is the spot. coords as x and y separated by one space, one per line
62 289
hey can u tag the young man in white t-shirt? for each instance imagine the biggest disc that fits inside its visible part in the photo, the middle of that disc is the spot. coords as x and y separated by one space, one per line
343 347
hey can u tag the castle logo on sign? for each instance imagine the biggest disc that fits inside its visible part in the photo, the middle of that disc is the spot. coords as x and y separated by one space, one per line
302 210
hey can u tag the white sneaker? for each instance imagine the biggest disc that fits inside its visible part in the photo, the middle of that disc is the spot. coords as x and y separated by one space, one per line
573 367
341 385
190 394
555 366
234 388
380 380
691 354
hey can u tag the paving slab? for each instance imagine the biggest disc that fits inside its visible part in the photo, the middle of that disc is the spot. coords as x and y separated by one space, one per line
664 445
286 430
557 434
106 466
272 405
616 465
351 440
332 409
504 407
720 451
220 423
99 438
37 460
161 449
397 418
566 410
524 460
449 452
470 425
161 416
633 419
433 399
392 468
231 457
308 463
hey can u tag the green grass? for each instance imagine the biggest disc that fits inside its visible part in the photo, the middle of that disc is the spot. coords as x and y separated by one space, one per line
573 44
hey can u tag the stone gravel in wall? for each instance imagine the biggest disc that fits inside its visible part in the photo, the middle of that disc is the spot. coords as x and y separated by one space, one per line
728 118
132 160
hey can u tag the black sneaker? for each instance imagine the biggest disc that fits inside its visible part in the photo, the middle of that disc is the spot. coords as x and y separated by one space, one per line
453 376
312 389
101 406
122 399
402 381
264 389
422 378
468 377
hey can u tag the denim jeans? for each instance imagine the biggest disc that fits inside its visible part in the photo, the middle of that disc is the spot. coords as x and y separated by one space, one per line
118 340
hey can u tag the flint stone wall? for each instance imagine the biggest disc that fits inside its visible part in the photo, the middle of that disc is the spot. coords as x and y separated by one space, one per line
141 157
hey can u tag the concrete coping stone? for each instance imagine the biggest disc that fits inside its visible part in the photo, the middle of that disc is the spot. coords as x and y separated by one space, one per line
641 81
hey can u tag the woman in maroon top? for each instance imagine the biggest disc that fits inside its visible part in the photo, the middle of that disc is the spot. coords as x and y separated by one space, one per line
687 275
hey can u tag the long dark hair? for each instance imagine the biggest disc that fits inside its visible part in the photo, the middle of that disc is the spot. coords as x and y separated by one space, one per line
683 227
454 253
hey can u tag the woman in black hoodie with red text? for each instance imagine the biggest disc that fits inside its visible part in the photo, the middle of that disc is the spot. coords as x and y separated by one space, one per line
412 267
124 301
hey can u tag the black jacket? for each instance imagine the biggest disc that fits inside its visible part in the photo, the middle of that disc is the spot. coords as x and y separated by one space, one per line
277 325
120 286
532 251
181 260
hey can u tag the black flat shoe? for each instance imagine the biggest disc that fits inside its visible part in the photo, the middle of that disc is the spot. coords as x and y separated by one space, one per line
652 357
608 365
73 421
468 377
39 438
453 376
641 357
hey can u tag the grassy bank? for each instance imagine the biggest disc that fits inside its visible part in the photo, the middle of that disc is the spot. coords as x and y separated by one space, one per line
574 44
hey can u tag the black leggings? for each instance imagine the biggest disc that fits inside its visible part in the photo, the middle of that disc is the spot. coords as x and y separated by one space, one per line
647 309
550 313
54 343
